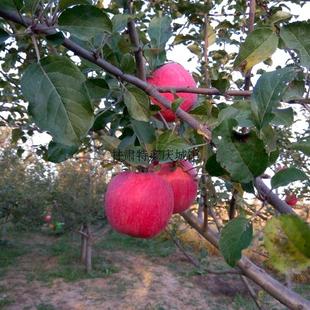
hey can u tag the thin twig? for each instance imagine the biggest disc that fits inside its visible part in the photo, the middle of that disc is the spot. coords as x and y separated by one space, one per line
35 44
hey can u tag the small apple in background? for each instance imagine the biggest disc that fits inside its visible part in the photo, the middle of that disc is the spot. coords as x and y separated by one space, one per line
47 218
173 75
291 199
182 177
138 204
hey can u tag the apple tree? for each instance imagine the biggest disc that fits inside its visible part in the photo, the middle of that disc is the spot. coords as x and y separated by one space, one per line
84 72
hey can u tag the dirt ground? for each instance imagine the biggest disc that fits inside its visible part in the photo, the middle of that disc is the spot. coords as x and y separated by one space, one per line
141 282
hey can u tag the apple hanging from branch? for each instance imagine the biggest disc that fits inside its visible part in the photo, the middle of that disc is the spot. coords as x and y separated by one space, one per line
138 204
182 177
173 75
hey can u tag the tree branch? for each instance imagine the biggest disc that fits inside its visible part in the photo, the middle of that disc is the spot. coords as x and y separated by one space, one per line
42 28
271 197
286 296
134 38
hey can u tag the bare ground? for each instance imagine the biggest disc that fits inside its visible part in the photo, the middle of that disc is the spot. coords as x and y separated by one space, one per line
141 283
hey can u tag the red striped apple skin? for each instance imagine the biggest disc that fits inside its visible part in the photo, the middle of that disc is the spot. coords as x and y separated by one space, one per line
182 177
138 204
173 75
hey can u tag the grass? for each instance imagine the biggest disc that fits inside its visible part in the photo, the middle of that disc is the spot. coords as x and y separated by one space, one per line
156 247
9 252
44 306
69 266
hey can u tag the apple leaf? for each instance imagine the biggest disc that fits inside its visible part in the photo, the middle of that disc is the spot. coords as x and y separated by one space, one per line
97 88
58 100
145 133
287 176
137 103
171 147
287 240
236 236
303 146
243 156
3 36
268 92
12 4
160 31
58 152
296 36
63 4
119 22
214 168
258 46
240 111
85 22
295 90
284 117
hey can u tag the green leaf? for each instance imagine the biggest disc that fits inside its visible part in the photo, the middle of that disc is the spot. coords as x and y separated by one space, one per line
119 22
279 16
97 88
160 31
58 100
63 4
258 46
55 39
270 138
12 4
284 117
214 168
171 147
58 152
236 235
295 90
287 176
145 133
240 111
137 103
3 36
102 118
268 92
303 146
243 156
17 133
176 103
296 36
85 22
287 240
155 57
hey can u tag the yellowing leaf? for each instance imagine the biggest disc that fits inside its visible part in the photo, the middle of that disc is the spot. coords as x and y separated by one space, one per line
258 46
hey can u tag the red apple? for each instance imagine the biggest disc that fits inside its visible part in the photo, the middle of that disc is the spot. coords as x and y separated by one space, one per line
173 75
138 204
182 177
291 199
47 218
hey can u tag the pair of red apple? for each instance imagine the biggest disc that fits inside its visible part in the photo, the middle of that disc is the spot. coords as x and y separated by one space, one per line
173 75
141 204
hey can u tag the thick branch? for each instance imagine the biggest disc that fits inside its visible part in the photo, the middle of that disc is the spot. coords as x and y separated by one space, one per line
286 296
84 53
271 197
204 91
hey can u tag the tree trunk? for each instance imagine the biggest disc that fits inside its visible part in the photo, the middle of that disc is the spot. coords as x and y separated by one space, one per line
83 244
88 262
276 289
